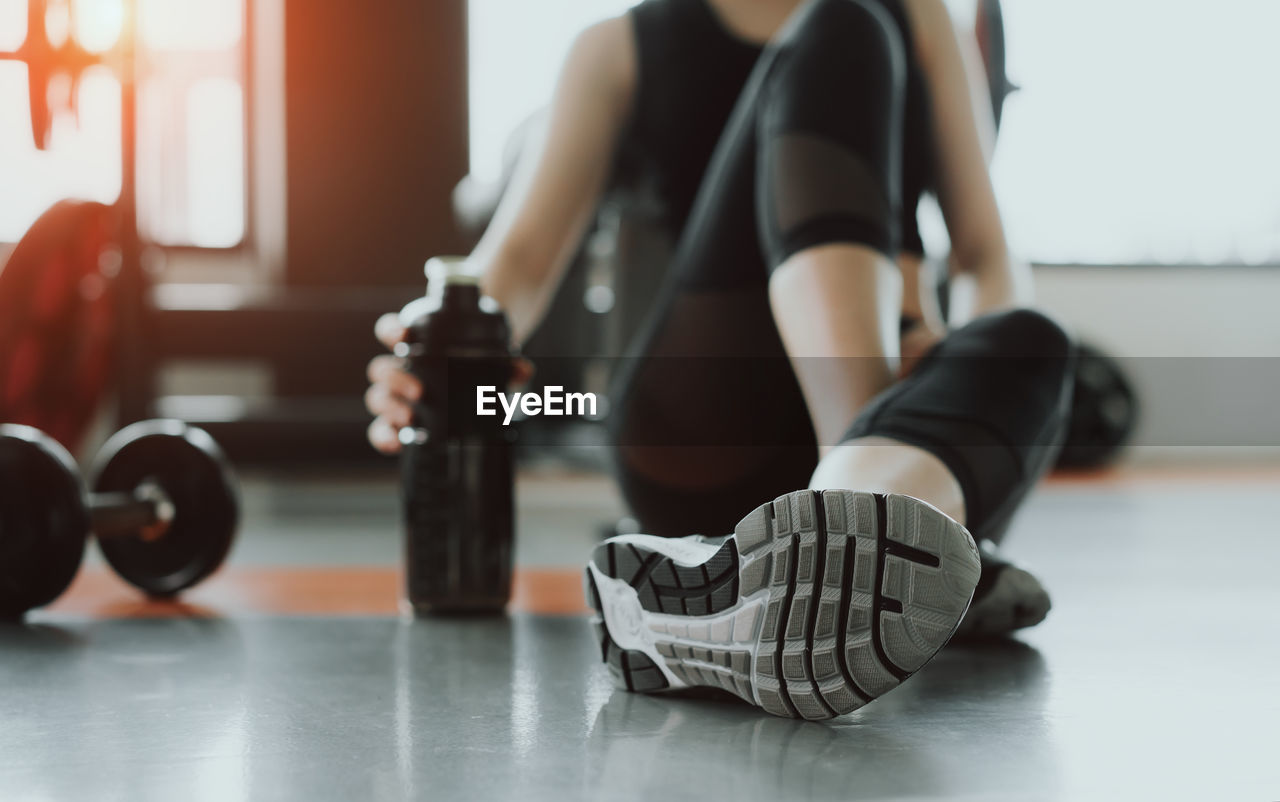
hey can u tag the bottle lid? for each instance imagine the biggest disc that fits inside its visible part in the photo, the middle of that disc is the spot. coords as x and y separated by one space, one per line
441 270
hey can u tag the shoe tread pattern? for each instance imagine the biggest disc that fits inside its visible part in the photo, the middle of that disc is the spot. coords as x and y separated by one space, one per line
874 586
862 590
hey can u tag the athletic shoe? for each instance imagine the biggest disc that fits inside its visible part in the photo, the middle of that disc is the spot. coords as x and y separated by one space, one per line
1007 598
817 604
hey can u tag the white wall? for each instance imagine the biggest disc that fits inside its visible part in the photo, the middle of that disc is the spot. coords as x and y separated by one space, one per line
1202 345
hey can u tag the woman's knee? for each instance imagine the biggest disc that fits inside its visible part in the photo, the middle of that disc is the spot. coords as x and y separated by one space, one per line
831 131
846 27
1029 332
845 48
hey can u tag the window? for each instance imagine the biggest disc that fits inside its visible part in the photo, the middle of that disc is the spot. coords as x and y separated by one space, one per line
1145 131
191 126
516 49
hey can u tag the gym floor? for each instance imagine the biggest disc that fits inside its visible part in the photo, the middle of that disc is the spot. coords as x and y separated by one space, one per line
290 674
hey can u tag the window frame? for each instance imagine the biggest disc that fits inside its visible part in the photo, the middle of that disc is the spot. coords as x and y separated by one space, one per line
187 262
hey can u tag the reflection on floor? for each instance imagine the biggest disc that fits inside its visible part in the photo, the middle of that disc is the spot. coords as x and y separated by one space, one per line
1154 677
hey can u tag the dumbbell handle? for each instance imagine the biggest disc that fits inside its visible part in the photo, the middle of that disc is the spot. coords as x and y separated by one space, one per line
145 513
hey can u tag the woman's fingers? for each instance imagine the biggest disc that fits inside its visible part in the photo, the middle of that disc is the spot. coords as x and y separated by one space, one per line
382 402
384 436
393 390
388 329
916 342
389 371
521 371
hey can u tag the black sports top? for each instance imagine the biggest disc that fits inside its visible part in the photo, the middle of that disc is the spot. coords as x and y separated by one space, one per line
691 71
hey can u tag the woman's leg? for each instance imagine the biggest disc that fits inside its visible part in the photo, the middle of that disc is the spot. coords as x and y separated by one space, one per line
990 404
972 430
978 421
884 465
821 601
828 203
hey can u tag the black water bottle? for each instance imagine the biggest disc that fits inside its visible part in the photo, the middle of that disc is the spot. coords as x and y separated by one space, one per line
456 465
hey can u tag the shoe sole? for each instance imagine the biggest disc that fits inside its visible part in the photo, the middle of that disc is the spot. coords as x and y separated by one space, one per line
817 604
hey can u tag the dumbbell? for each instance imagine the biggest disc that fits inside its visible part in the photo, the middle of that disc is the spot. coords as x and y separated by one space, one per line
164 507
1104 411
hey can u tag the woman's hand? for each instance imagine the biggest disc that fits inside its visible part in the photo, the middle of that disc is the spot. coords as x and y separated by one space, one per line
393 390
915 343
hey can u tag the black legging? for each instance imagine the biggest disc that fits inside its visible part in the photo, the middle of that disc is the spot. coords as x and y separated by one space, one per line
710 420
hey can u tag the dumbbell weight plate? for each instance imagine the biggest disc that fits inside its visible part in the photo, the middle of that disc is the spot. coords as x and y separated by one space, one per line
58 320
43 519
191 469
1104 411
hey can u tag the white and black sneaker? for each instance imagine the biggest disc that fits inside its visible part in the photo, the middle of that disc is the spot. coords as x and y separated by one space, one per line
817 604
1008 598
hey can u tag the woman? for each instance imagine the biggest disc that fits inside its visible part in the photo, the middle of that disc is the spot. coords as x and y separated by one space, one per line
793 345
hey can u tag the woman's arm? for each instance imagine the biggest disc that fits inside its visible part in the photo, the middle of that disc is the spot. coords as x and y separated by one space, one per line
984 275
542 217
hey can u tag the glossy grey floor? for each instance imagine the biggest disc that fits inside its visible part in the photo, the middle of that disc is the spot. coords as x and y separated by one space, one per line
1154 678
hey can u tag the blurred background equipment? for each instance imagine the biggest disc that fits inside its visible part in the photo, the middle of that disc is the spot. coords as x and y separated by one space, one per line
988 29
164 507
58 320
59 273
51 54
252 319
1104 411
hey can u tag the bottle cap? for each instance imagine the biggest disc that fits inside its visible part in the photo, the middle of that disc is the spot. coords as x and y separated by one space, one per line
441 270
